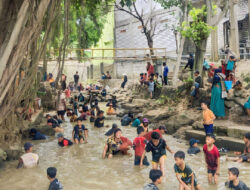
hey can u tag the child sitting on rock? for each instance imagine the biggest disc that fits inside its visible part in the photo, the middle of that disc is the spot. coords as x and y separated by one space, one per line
193 149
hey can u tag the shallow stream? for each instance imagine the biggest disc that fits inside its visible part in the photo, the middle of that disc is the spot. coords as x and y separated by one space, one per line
81 166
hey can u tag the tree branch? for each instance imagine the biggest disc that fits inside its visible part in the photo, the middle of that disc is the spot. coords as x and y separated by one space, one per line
124 10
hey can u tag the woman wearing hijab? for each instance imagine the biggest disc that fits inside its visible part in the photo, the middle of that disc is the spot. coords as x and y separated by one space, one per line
217 102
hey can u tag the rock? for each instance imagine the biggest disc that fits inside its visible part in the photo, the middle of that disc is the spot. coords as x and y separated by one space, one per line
238 93
159 114
140 102
229 104
3 155
221 141
177 121
13 154
236 111
198 126
240 101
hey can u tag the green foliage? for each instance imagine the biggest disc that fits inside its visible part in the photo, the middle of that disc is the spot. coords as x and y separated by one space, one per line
246 77
197 30
86 22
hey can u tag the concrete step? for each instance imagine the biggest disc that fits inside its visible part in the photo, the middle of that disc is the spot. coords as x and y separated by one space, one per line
230 143
226 128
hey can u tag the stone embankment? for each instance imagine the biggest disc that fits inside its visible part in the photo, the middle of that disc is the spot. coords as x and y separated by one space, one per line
184 122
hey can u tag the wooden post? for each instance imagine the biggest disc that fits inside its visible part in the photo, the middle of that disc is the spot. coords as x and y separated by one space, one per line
91 71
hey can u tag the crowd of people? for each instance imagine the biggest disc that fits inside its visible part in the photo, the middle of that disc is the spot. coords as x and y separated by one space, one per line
153 79
147 141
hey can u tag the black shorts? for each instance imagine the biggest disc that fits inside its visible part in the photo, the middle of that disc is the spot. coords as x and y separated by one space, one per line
213 172
138 160
189 182
244 158
62 112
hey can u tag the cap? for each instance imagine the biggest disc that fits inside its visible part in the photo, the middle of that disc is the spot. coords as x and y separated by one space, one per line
193 141
59 135
162 127
145 120
27 146
112 130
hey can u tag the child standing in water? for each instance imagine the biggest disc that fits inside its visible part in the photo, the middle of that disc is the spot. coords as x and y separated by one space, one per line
212 157
92 114
234 182
156 177
158 148
99 122
139 144
187 178
54 183
80 133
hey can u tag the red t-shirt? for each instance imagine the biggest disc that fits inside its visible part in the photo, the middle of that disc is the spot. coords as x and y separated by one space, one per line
139 145
211 157
148 135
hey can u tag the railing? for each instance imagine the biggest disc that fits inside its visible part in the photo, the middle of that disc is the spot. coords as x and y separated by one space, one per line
112 53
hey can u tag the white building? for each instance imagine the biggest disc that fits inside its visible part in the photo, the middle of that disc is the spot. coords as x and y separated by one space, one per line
128 32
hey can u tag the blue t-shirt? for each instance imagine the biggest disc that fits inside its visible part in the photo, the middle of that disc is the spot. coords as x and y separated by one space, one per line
165 72
136 123
230 65
39 136
79 130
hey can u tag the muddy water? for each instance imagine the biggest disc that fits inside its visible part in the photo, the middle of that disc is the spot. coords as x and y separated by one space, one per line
81 166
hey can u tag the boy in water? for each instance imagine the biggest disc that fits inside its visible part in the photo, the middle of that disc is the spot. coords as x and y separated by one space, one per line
212 157
139 144
193 149
28 159
99 122
234 182
110 110
80 133
208 118
158 148
187 178
54 183
245 157
92 114
63 141
156 177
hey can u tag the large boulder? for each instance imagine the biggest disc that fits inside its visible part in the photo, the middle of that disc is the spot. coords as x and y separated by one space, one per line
140 102
177 121
159 114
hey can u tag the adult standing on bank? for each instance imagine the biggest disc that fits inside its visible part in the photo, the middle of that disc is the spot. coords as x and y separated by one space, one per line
76 79
150 69
165 73
190 63
125 80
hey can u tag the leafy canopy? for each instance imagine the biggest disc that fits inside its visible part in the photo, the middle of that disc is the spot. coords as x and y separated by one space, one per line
198 29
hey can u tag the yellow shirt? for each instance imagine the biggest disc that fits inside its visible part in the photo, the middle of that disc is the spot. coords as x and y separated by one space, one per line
208 117
110 111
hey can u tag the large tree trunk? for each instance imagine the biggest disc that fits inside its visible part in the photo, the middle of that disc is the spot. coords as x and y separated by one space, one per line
181 46
234 31
214 46
249 20
12 54
199 56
